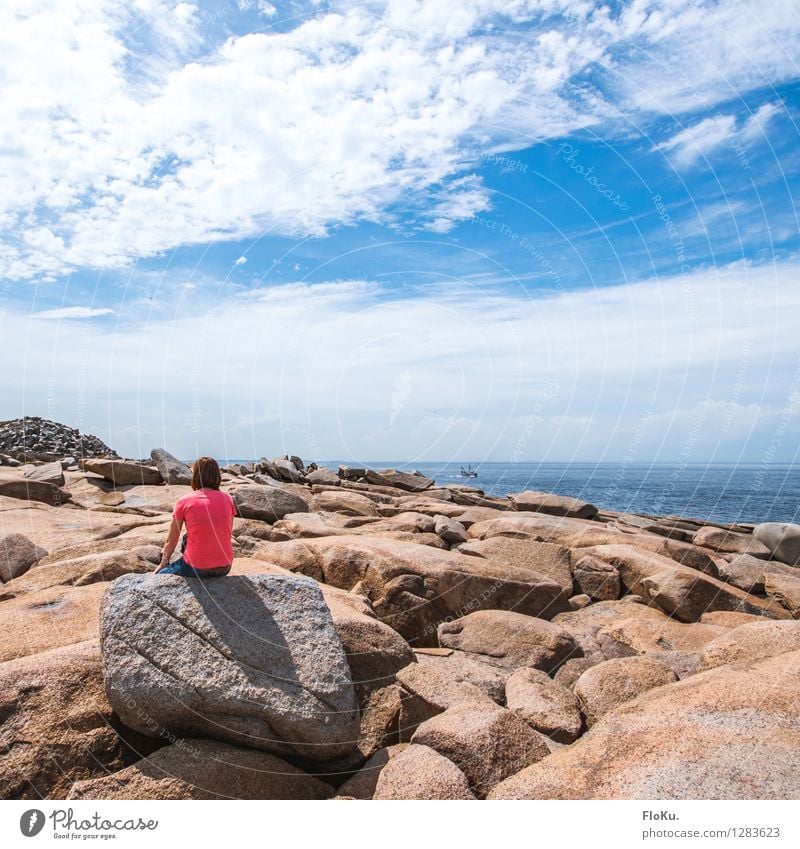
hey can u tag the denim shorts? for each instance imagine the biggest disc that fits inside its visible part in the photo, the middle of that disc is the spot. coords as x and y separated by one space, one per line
182 568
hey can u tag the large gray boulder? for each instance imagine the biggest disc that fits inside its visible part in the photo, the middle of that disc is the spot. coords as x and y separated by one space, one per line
17 555
122 472
374 651
782 539
267 503
254 660
170 468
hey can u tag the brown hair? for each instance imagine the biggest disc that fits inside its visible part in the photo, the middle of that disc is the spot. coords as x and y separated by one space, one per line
206 473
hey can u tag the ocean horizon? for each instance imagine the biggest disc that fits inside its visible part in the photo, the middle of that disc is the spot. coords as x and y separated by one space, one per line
747 493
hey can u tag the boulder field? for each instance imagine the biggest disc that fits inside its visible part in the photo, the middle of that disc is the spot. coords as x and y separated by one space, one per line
383 637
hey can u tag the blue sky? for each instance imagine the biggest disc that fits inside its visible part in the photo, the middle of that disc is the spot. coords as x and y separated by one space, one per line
528 230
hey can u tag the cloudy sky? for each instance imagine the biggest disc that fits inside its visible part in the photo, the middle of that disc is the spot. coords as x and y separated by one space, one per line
510 230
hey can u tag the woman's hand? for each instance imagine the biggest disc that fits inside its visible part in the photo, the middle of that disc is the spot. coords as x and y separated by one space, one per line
169 545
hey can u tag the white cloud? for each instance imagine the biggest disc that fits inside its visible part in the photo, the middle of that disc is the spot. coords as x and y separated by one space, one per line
479 367
240 261
73 312
755 127
460 200
126 131
689 55
260 6
344 290
698 141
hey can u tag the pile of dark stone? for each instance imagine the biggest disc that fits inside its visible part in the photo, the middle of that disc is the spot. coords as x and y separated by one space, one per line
35 438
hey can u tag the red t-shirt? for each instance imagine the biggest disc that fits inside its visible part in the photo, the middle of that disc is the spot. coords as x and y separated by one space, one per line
208 514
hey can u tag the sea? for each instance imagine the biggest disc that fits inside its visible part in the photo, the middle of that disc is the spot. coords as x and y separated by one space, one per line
716 492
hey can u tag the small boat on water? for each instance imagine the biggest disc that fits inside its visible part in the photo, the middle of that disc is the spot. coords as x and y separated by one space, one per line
469 472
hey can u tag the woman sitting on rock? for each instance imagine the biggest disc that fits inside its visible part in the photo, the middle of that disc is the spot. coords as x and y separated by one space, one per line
208 514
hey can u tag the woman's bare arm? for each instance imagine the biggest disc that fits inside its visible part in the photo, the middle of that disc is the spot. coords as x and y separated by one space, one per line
169 546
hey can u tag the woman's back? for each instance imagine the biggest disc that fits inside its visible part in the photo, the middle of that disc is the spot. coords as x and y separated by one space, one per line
208 515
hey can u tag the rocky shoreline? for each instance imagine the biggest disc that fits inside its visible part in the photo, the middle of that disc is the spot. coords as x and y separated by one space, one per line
384 637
